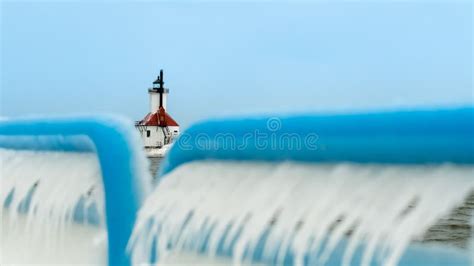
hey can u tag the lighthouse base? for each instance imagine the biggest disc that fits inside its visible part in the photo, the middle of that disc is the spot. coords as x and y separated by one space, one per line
157 152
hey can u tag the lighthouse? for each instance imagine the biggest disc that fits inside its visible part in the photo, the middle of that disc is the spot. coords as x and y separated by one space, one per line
157 129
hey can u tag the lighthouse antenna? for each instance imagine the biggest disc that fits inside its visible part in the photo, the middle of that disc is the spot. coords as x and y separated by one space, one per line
161 79
162 89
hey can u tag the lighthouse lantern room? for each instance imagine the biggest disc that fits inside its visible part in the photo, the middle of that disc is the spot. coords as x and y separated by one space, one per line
157 129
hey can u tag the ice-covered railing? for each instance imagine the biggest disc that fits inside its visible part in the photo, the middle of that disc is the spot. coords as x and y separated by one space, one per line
311 190
70 189
350 189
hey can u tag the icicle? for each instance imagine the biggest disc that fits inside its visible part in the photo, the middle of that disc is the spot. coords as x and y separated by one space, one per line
272 210
45 195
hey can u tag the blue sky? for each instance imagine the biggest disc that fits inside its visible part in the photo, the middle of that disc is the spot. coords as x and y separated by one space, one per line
234 58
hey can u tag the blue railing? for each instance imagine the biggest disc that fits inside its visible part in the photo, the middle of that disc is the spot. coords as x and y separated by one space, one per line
118 152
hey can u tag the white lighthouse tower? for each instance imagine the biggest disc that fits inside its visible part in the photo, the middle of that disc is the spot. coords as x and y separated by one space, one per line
158 93
158 129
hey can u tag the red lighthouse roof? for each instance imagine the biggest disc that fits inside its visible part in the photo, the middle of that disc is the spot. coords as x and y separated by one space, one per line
159 118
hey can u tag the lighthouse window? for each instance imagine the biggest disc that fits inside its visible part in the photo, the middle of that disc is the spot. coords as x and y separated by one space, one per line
148 133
